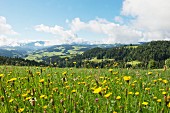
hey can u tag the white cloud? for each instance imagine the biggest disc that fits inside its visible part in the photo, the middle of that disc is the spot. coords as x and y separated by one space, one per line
118 19
152 17
140 20
57 30
6 28
115 33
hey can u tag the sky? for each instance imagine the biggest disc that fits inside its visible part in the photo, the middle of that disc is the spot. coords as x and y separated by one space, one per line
84 21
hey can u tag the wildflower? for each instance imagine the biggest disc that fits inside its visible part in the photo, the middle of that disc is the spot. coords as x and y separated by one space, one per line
107 95
159 100
24 95
38 73
73 91
130 93
168 105
137 93
147 89
114 112
132 85
41 81
118 97
154 81
1 75
154 98
104 82
115 73
110 70
145 103
64 73
126 78
11 100
45 107
21 110
74 62
98 90
55 89
160 79
12 79
43 96
67 87
149 73
164 93
165 81
28 98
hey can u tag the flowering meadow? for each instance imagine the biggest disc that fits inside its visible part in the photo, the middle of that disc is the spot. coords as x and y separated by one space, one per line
72 90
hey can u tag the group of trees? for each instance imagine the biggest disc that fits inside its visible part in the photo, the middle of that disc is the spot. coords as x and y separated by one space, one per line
19 62
150 55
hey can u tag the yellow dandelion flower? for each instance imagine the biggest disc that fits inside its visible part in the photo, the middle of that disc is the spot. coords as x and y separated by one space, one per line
43 96
11 100
115 73
165 81
104 82
137 93
1 75
154 98
12 79
24 95
67 87
147 89
28 98
118 97
21 110
155 81
41 81
160 79
130 93
74 62
168 105
73 91
45 107
159 100
149 73
145 103
164 93
110 70
107 95
127 78
98 90
64 73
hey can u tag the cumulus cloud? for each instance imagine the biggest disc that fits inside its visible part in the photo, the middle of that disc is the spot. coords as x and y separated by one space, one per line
115 33
151 17
140 20
6 28
57 30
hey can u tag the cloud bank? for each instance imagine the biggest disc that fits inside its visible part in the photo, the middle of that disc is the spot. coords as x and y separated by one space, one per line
5 29
146 20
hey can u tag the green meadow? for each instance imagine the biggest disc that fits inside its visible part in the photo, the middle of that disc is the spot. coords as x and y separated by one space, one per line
81 90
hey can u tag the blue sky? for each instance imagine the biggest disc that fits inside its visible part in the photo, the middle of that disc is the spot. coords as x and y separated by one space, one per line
82 20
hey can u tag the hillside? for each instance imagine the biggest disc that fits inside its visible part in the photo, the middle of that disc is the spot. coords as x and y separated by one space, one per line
64 51
19 62
155 52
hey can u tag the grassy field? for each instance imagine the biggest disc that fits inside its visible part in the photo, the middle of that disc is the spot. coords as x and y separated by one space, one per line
71 90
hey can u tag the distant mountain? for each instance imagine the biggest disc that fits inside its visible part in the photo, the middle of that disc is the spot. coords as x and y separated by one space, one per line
21 49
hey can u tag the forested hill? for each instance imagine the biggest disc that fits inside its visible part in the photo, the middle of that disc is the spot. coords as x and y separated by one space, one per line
19 62
152 54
